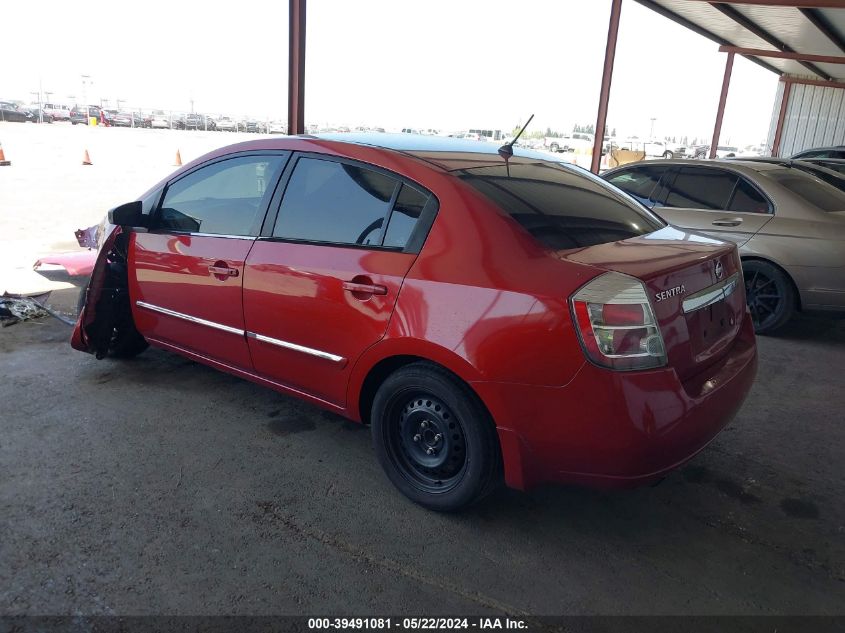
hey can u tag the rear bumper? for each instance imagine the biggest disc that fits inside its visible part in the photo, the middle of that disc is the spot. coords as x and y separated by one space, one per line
616 429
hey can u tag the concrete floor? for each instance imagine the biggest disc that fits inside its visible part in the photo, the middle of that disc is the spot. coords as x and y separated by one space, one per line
161 486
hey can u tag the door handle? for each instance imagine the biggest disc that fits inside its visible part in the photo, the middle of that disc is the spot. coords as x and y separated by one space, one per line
224 271
369 289
727 222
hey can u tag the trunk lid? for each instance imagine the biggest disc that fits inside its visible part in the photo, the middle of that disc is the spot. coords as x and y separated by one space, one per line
695 287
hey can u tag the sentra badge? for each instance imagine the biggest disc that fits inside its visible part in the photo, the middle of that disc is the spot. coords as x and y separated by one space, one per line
672 292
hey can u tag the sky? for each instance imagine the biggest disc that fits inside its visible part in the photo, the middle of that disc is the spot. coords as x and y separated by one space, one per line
448 65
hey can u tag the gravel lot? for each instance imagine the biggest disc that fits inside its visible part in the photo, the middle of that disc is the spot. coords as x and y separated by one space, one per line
161 486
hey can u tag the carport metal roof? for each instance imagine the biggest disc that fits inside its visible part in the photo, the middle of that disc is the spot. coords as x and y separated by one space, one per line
801 40
811 30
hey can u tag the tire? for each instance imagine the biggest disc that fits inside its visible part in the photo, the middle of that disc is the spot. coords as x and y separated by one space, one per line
126 341
434 438
554 147
770 295
668 154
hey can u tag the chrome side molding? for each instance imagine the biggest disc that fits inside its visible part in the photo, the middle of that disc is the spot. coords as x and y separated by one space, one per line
711 294
231 330
297 348
188 317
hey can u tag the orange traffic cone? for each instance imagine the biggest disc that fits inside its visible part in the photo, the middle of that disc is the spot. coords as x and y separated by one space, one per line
86 160
178 161
3 161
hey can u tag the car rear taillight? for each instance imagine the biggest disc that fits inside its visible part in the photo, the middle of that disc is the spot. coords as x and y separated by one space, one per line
616 324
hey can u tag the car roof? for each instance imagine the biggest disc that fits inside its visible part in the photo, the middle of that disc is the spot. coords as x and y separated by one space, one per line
445 152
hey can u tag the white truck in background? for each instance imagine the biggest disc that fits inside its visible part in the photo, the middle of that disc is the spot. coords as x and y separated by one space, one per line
569 142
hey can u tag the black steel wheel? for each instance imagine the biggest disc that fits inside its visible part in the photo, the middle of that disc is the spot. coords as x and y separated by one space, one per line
434 439
769 294
429 444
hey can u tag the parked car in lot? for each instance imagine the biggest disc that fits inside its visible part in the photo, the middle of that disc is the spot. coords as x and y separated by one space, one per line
822 152
58 111
277 127
569 142
722 151
789 226
830 176
125 119
159 119
518 317
226 124
11 112
256 127
82 114
37 114
834 164
653 148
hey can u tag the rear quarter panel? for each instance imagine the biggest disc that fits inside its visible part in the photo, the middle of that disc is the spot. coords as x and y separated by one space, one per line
483 299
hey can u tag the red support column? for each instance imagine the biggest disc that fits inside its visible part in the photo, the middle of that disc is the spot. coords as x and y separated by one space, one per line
726 82
787 90
296 67
607 75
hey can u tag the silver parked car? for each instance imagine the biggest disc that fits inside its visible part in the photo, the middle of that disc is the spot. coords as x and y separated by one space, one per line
789 225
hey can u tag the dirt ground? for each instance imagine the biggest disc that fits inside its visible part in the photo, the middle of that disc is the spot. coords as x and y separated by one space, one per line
158 485
161 486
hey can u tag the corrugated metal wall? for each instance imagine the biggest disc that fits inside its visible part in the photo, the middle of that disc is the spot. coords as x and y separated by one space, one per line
815 117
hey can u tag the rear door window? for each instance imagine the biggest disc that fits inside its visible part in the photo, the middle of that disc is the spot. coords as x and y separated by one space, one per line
404 217
335 202
562 208
747 199
225 198
701 188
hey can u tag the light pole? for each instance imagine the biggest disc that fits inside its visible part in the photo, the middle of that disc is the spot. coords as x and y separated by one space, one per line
651 134
37 96
86 83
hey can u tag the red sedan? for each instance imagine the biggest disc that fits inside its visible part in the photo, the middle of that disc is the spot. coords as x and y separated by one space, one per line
489 315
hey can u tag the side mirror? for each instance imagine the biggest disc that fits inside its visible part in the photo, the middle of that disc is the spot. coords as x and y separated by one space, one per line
127 215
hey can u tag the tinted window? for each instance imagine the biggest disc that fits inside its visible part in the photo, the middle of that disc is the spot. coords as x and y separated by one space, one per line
222 198
640 182
837 166
812 190
406 212
747 199
327 201
821 153
701 188
833 179
560 207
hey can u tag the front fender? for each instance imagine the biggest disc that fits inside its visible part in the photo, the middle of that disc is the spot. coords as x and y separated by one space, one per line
82 338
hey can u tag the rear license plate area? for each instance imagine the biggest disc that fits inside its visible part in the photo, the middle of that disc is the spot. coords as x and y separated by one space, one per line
711 326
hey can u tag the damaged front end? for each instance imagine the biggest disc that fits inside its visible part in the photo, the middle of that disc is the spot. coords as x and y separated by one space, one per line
105 326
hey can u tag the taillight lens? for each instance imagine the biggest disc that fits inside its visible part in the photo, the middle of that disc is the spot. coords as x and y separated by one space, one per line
616 324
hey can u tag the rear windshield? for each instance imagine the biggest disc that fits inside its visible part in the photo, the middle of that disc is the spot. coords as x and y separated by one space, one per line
812 190
561 207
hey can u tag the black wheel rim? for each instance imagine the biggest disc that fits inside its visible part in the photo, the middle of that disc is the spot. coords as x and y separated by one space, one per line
763 296
426 443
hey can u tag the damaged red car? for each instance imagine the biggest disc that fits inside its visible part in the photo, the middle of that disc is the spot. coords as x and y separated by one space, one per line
492 315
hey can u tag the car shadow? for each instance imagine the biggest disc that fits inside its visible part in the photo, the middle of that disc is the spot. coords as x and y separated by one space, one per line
813 327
